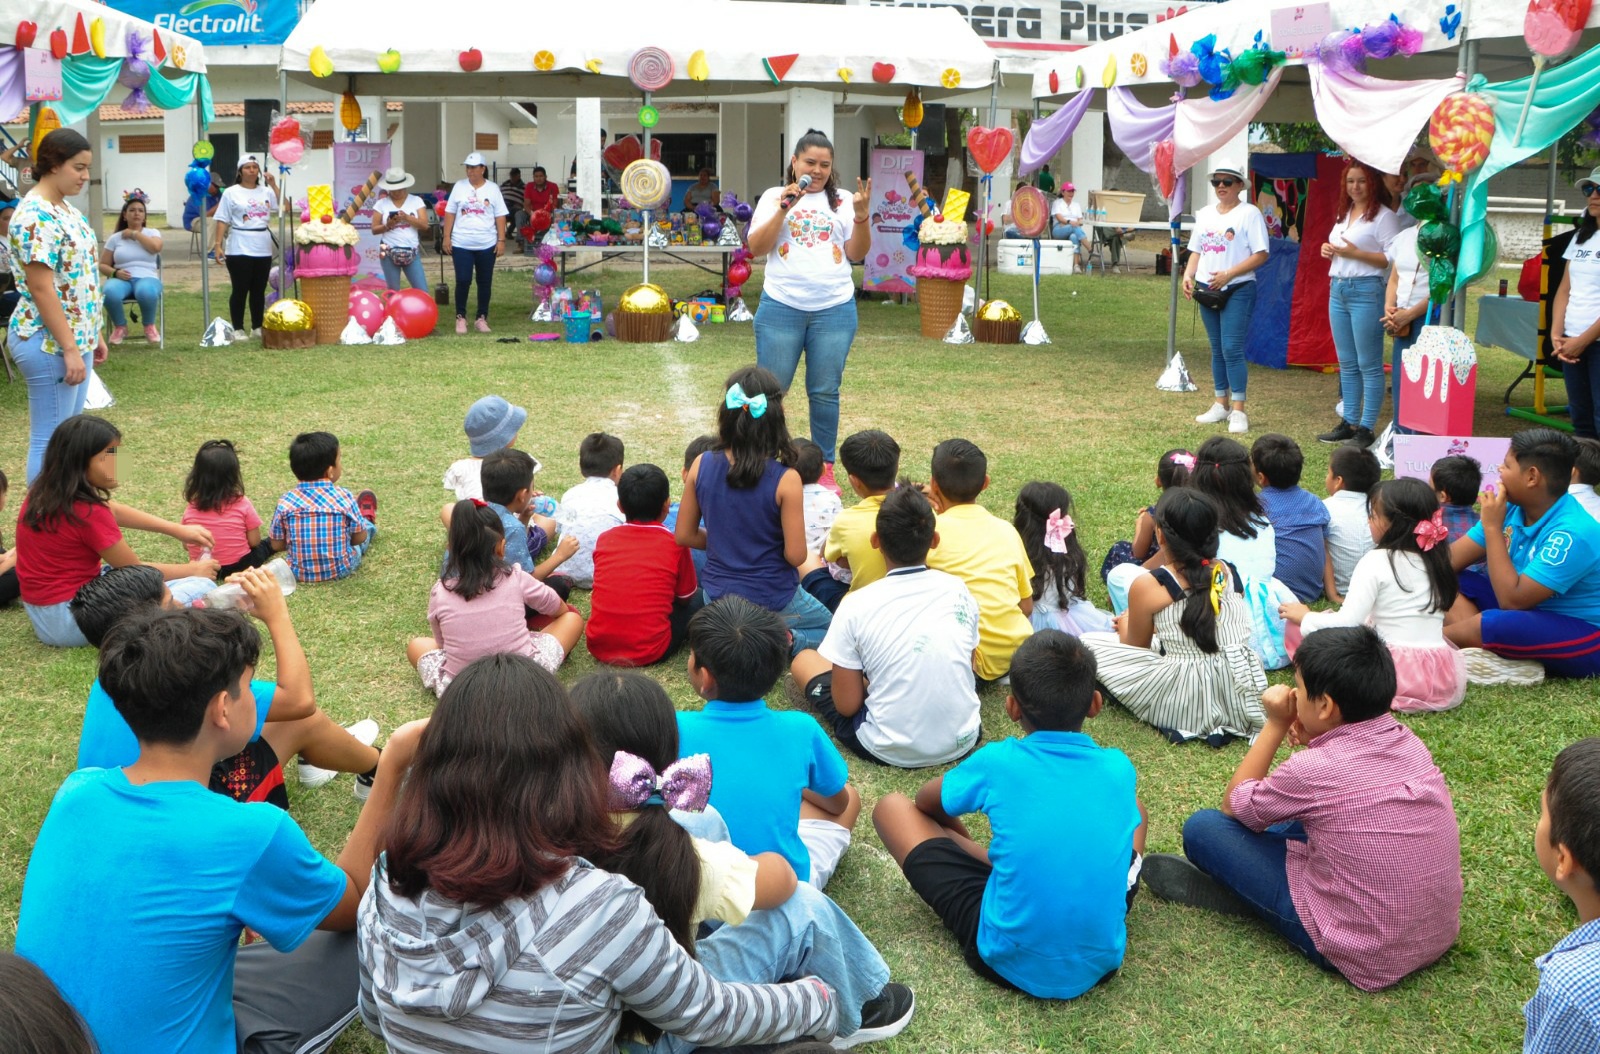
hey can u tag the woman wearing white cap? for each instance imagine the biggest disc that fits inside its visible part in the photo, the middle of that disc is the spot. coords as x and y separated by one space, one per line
243 241
396 219
1575 317
1228 243
474 234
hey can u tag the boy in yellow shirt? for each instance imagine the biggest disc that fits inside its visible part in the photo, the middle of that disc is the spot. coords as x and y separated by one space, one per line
983 551
872 459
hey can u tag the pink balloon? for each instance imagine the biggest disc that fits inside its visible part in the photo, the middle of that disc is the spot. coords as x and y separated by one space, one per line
414 313
366 309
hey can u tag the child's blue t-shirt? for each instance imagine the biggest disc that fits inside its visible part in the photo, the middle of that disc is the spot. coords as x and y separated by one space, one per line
107 742
1300 533
697 555
760 762
516 533
1560 551
1062 812
135 897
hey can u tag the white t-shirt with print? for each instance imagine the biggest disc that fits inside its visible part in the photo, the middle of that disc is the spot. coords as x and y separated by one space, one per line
1227 239
1369 236
248 214
127 254
1583 281
405 235
807 268
1411 287
911 633
475 209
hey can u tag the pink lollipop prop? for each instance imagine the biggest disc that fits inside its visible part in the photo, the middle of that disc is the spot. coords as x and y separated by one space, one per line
1552 29
650 69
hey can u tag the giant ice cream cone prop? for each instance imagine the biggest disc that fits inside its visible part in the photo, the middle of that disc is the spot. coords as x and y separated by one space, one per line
326 258
944 262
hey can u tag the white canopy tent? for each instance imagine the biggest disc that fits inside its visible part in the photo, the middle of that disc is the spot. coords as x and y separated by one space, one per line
50 15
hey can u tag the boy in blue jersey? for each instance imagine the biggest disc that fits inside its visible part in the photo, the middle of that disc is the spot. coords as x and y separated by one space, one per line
142 880
779 780
1043 907
1536 609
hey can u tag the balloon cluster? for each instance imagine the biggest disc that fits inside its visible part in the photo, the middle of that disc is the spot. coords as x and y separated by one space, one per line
738 272
544 274
539 221
710 221
1349 49
197 181
413 311
739 210
286 143
135 73
281 280
1439 241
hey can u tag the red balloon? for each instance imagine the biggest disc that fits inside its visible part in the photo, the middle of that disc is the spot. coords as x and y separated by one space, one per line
439 205
739 273
414 313
539 220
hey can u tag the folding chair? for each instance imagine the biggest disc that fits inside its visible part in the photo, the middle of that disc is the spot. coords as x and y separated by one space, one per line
132 306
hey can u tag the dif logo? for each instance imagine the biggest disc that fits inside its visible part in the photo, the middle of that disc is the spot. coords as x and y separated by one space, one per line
210 20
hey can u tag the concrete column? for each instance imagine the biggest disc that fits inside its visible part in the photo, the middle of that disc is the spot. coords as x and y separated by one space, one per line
1088 157
804 109
180 128
588 152
458 138
733 155
423 155
96 190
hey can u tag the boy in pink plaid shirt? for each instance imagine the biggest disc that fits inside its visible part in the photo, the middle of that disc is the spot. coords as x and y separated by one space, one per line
325 529
1350 848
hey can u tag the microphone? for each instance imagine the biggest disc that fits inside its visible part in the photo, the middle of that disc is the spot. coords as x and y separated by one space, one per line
788 200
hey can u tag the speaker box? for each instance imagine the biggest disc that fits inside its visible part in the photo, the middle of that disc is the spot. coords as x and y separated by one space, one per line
258 124
930 135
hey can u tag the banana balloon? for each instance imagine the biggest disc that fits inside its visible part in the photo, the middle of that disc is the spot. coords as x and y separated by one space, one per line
321 65
97 37
699 68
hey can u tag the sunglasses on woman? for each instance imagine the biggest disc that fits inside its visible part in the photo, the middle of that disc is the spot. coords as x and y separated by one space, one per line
1589 189
1223 182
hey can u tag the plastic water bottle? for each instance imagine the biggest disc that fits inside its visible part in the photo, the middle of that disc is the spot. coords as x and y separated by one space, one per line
232 595
545 505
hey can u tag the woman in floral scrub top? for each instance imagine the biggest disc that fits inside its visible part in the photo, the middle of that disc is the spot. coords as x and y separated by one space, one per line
54 257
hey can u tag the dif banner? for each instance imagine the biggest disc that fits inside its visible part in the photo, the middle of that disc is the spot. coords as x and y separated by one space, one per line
888 263
353 165
223 23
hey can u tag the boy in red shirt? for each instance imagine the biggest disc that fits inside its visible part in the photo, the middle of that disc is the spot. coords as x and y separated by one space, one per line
645 588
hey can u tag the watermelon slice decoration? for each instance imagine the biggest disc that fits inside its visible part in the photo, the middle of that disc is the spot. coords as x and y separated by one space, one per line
156 47
778 66
80 38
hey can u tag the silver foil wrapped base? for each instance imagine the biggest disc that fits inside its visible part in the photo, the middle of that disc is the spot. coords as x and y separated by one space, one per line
684 331
218 335
959 332
1033 333
388 333
541 313
729 235
354 333
656 239
737 312
1175 378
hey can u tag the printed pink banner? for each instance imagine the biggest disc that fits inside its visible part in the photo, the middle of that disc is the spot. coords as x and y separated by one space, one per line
1414 455
889 262
353 165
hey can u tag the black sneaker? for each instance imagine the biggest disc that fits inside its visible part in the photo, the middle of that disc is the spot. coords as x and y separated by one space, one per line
1341 432
1364 438
1173 878
885 1015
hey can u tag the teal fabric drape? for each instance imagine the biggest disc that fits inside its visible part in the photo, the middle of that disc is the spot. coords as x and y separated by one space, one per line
1566 95
86 81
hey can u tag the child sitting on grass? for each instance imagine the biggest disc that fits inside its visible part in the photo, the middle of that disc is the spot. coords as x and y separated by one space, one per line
1456 481
1043 906
1350 848
848 560
781 785
691 453
491 424
1564 1014
983 551
1171 471
215 493
893 678
507 485
590 509
645 588
1352 472
821 505
1299 518
1043 519
325 529
9 590
478 607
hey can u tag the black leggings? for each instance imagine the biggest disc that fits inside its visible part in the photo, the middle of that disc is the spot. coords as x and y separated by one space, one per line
249 275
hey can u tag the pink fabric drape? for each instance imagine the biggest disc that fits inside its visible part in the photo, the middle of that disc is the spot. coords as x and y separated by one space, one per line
1373 119
1203 125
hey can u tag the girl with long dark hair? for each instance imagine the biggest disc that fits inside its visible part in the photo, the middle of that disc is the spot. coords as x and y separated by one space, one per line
130 263
1364 228
1043 519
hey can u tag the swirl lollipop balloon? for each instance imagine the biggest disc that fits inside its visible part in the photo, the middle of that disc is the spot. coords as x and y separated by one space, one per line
1030 211
647 184
650 69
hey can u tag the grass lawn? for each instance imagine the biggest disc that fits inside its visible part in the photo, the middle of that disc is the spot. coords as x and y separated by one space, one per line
1082 411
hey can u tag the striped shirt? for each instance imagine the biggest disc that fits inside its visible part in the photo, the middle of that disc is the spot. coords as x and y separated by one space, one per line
1564 1014
316 520
553 973
1377 882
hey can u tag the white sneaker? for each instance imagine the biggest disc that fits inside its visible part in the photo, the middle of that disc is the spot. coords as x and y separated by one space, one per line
1238 422
1485 667
240 336
365 732
1218 412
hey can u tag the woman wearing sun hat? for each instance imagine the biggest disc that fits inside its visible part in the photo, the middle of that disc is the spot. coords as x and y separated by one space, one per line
1575 318
243 242
474 235
397 218
1228 243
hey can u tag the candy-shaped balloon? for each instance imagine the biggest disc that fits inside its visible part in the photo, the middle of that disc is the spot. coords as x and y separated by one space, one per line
544 275
1552 27
739 273
367 310
1030 211
989 146
647 184
650 69
1461 130
414 312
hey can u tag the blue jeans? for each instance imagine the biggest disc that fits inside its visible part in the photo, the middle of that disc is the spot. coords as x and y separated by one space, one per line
808 619
361 549
806 936
1355 315
146 291
1400 346
469 262
50 399
1583 380
1226 330
1252 866
783 333
416 277
1067 232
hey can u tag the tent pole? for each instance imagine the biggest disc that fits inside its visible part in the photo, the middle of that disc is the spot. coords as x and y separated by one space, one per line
1172 299
1457 314
986 190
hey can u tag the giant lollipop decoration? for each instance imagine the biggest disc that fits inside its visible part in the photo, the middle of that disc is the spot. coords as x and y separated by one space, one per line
1552 29
650 69
1030 211
646 183
1461 130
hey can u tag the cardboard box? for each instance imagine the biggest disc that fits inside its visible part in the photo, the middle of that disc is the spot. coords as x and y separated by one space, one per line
1114 207
1015 256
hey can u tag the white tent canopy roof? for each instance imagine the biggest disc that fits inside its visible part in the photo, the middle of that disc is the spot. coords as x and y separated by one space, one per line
51 15
1495 24
922 46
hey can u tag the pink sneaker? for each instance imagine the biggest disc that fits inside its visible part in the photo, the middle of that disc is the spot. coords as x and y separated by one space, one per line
152 334
827 480
482 324
461 325
117 334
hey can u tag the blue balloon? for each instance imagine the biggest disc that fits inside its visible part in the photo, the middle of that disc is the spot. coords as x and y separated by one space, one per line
544 274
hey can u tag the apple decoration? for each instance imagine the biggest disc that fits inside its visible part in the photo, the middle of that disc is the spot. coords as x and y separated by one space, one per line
1055 82
389 61
471 60
58 43
26 31
883 72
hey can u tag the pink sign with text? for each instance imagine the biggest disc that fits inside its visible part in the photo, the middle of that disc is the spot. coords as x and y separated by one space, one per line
889 262
353 164
1414 455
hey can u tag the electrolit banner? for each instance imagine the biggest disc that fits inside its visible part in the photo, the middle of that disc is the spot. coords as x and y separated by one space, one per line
223 23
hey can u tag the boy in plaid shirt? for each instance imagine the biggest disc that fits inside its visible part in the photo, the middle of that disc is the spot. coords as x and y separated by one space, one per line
324 527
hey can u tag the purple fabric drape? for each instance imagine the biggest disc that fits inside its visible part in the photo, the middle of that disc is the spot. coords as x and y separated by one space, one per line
1136 129
1046 137
12 92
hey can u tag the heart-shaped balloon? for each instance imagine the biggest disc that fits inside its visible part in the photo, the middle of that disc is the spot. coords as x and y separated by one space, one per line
989 146
1165 174
627 150
26 31
883 72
